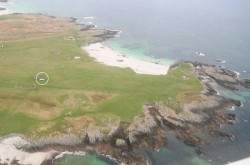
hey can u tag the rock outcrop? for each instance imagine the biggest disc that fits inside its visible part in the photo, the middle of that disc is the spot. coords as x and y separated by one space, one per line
2 8
141 126
224 77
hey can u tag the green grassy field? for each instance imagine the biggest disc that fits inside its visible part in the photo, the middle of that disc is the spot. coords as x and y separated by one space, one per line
77 89
8 17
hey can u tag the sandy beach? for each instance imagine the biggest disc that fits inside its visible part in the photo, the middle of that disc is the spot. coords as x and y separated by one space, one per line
108 56
4 12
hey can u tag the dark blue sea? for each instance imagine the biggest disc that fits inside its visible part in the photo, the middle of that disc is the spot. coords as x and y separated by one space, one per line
168 31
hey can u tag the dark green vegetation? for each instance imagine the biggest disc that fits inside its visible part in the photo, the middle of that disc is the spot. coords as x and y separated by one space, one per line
79 92
8 17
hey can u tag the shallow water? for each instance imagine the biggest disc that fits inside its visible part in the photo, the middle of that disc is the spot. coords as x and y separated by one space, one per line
176 153
88 159
170 30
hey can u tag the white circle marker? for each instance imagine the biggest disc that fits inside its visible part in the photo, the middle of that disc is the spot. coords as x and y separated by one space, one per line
42 73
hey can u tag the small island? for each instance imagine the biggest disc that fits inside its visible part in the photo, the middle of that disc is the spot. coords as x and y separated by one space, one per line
119 110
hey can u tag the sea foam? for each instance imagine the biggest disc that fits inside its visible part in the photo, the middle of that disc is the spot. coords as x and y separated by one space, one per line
89 18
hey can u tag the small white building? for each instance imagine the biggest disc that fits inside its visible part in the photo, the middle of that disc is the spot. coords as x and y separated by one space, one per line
77 57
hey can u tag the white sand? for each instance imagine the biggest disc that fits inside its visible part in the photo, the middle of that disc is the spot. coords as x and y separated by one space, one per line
61 155
106 55
241 162
4 12
9 151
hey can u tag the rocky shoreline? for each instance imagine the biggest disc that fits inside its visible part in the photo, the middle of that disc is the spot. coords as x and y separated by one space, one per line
127 142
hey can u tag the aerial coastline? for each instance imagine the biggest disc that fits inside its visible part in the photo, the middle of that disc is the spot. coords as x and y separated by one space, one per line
126 141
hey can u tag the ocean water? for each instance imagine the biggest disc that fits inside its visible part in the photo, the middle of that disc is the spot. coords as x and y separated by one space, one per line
168 31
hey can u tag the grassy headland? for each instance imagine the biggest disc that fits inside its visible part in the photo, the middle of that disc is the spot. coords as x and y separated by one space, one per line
80 92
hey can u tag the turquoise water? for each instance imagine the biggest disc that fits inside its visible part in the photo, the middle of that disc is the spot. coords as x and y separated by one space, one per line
167 31
22 7
132 51
87 159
